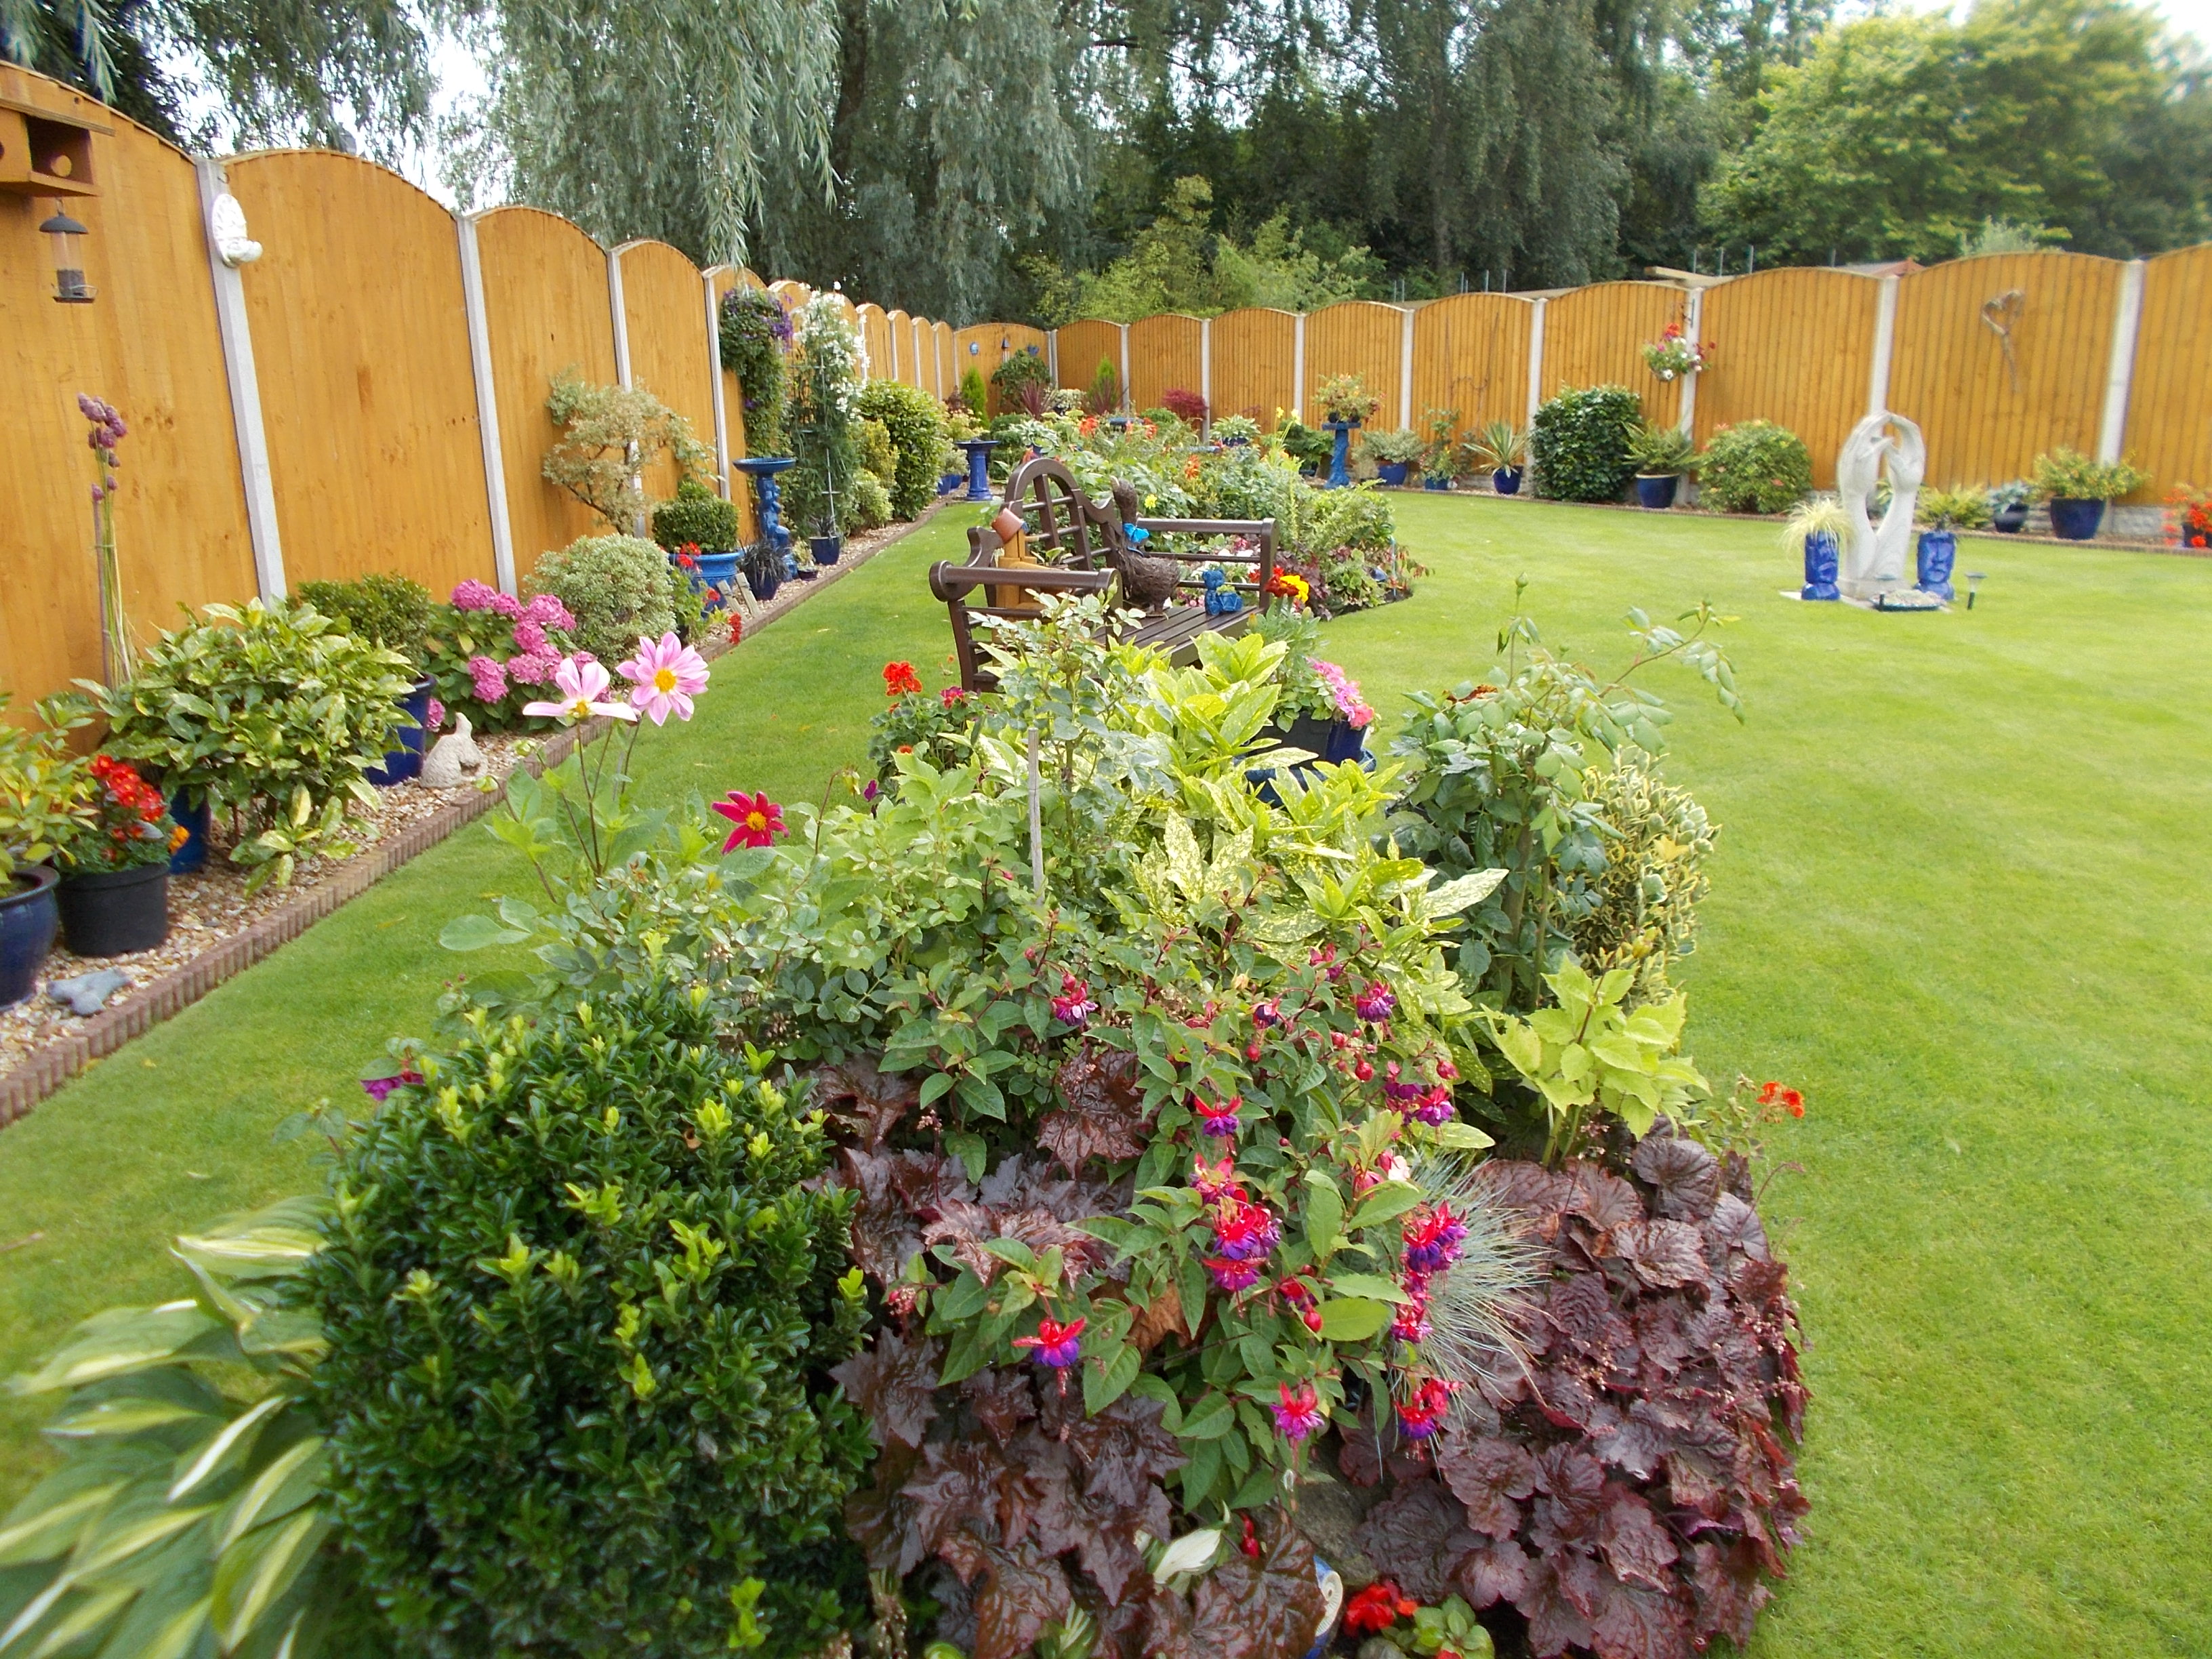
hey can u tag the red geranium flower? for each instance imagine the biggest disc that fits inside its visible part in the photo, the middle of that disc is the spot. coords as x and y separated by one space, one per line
899 679
1376 1608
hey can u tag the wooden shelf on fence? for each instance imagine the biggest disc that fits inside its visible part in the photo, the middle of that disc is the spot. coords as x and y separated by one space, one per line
45 152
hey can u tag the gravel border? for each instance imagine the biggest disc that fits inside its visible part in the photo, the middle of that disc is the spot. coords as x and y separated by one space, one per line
45 1069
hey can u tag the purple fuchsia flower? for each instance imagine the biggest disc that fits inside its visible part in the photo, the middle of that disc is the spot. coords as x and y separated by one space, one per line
490 678
473 595
1268 1013
583 685
1411 1322
665 675
1432 1242
950 694
1245 1231
1074 1005
1375 1001
377 1088
1055 1344
1216 1181
1396 1090
1435 1106
870 790
1299 1415
1219 1121
1423 1415
1232 1276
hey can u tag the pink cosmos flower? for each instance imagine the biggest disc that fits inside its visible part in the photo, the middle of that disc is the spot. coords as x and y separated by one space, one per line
1219 1121
665 675
583 686
547 612
473 595
490 678
1074 1005
1299 1415
532 669
1055 1344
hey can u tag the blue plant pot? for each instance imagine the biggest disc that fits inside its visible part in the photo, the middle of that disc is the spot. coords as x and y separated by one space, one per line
192 857
1438 481
406 762
2075 520
1391 472
1656 493
715 575
1821 558
2011 519
825 549
947 482
1506 481
1939 551
764 580
28 920
979 466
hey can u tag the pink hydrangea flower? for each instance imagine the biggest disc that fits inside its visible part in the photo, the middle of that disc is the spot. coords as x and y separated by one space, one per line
506 607
473 595
583 686
529 638
533 670
435 717
490 678
547 612
665 675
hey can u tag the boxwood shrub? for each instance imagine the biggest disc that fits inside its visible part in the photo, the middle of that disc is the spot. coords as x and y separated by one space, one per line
581 1304
1754 466
696 515
916 423
1578 443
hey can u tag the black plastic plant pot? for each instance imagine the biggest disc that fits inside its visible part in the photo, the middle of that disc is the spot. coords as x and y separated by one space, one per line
28 920
112 913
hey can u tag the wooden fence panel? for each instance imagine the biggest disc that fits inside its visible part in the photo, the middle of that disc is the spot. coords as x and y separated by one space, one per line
1595 335
1471 354
1792 346
664 308
2169 430
725 278
1987 417
149 345
1164 351
546 309
898 333
1255 364
984 346
1084 345
921 342
876 341
1356 337
948 366
361 345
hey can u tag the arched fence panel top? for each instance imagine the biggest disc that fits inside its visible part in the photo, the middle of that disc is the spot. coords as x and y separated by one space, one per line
1471 355
2168 407
547 310
876 340
1791 345
367 390
1165 351
1357 336
150 344
670 355
1595 335
1254 353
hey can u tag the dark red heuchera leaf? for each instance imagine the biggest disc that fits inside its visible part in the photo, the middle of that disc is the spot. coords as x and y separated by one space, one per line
1104 1114
1022 1200
1264 1609
863 1102
897 1191
1631 1496
1023 1590
894 1383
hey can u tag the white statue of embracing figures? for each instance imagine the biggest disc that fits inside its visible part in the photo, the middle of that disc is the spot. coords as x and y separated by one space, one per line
1876 557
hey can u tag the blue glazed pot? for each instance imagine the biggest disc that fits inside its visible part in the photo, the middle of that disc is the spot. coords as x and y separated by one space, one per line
192 857
1939 551
1391 472
1506 481
1656 494
1820 562
715 575
825 549
406 760
1435 481
947 482
28 920
2075 520
2011 519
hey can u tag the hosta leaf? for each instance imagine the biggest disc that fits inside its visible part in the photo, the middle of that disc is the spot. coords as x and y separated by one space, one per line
52 1528
118 1340
293 1477
257 1569
228 1447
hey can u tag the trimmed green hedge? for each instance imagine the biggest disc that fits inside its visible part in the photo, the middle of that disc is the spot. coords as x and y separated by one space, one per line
1754 466
1578 444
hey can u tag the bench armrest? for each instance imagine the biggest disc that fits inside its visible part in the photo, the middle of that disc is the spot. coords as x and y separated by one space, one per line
952 582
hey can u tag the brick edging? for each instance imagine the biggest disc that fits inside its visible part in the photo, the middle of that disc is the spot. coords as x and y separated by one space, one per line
46 1069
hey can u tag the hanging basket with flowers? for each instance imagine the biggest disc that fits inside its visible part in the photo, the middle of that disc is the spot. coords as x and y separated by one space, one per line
1674 354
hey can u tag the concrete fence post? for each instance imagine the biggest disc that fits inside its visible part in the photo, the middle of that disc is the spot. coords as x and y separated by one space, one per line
1405 368
2119 374
1885 345
245 398
1535 357
479 321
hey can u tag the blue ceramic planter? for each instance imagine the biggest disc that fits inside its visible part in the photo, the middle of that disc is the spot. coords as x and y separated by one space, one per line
1391 472
405 761
947 482
825 549
1820 562
2075 520
1939 551
1434 480
1506 481
1658 494
715 576
192 855
28 920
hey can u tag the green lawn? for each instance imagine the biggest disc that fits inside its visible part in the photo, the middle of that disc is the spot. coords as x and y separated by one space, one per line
1954 901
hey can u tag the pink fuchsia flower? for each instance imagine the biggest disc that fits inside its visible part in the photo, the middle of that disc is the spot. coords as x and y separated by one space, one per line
1074 1005
1432 1242
434 716
530 639
1265 1014
1055 1344
1394 1089
1375 1001
547 612
531 671
1219 1121
1245 1231
1216 1181
377 1088
1421 1416
583 685
1411 1322
1232 1276
1435 1106
488 679
665 675
473 595
870 790
1298 1415
759 820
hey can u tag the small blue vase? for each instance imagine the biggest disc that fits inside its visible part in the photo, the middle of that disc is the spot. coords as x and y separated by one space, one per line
1820 563
193 820
1939 551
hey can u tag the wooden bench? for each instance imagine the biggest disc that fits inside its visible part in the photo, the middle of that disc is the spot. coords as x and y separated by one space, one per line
1084 545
